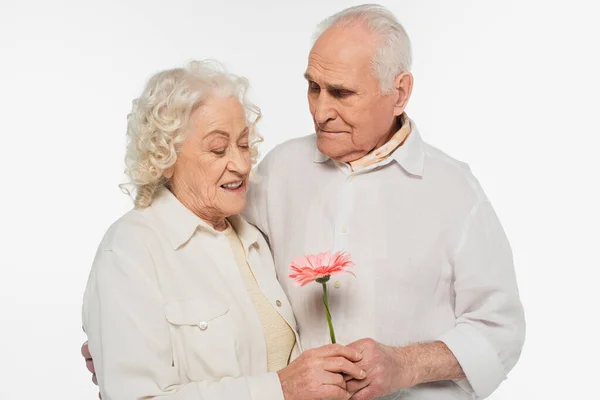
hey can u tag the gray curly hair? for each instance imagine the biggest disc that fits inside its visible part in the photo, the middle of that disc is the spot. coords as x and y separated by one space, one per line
159 121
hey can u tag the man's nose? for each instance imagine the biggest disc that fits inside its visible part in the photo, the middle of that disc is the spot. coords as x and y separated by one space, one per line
323 110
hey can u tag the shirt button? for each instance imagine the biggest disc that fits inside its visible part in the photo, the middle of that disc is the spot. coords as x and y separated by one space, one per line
278 303
337 284
352 178
203 325
344 229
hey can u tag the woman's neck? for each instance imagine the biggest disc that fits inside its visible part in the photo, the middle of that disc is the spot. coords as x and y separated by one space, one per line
206 213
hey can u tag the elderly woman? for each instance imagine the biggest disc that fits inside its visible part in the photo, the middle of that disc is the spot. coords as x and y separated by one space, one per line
182 301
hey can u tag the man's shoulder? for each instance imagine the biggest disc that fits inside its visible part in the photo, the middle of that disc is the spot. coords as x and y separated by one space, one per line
300 149
450 170
441 158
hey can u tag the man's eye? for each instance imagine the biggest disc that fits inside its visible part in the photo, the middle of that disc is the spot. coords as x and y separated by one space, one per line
219 152
244 146
313 87
340 94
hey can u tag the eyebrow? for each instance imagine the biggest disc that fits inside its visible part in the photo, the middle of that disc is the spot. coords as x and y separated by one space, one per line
330 86
223 133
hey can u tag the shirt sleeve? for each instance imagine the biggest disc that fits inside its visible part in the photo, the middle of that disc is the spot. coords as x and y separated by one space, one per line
490 324
255 211
130 342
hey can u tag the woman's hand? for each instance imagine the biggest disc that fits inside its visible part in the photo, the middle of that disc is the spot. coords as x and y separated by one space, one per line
85 352
318 373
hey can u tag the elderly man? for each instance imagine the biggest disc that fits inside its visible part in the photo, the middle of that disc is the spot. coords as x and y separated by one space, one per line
435 287
435 292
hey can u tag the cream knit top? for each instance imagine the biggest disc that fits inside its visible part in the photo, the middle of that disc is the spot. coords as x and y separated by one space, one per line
279 337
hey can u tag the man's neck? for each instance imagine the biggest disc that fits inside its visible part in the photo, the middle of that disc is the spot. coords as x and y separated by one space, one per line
398 134
355 156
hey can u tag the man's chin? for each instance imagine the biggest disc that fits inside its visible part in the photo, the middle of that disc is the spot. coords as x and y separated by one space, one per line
336 152
330 149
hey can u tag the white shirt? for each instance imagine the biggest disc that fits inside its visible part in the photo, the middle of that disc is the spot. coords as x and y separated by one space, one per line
167 313
432 260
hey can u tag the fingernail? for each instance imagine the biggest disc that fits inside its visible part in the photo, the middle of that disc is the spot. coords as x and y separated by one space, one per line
363 374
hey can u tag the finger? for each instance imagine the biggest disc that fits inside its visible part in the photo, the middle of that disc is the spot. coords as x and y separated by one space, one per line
89 363
100 395
95 379
364 394
333 392
342 365
337 350
85 351
354 385
329 378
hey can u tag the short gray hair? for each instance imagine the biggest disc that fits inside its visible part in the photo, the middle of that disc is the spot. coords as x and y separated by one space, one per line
159 121
394 54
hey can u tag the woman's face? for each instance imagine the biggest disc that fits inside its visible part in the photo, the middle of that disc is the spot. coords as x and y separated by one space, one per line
210 176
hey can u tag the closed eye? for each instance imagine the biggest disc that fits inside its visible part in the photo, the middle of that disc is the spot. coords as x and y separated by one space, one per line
340 93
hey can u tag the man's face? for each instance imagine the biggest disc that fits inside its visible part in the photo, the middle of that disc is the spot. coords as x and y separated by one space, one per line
350 114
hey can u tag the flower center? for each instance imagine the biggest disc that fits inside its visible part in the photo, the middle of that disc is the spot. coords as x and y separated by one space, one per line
323 279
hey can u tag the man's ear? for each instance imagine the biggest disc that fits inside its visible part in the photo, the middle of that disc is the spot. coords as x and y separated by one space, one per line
403 85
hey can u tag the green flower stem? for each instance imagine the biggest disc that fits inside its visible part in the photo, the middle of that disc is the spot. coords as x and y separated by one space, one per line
327 313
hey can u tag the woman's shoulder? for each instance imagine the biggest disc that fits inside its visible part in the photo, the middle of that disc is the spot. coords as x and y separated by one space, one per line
134 230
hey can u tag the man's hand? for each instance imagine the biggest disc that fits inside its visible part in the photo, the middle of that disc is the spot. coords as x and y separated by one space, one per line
386 372
318 373
89 363
390 369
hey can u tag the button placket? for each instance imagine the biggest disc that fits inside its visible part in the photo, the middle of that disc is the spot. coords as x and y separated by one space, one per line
342 229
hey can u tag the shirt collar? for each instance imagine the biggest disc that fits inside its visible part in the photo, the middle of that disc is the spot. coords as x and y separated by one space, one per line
180 224
409 155
384 151
247 233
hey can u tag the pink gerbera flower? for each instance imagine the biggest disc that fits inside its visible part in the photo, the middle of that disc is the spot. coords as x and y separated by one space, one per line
319 267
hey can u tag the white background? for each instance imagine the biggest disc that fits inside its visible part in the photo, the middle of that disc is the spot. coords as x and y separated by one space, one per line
511 87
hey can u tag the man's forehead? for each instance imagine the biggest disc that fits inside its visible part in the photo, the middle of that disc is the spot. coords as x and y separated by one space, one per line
336 74
341 52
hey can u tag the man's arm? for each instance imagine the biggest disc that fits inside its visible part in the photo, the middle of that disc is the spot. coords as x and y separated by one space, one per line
488 337
430 362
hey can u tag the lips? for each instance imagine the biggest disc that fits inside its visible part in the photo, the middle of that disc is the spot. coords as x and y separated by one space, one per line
233 185
331 132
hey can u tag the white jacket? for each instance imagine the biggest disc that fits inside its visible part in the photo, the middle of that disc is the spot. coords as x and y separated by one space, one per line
167 314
